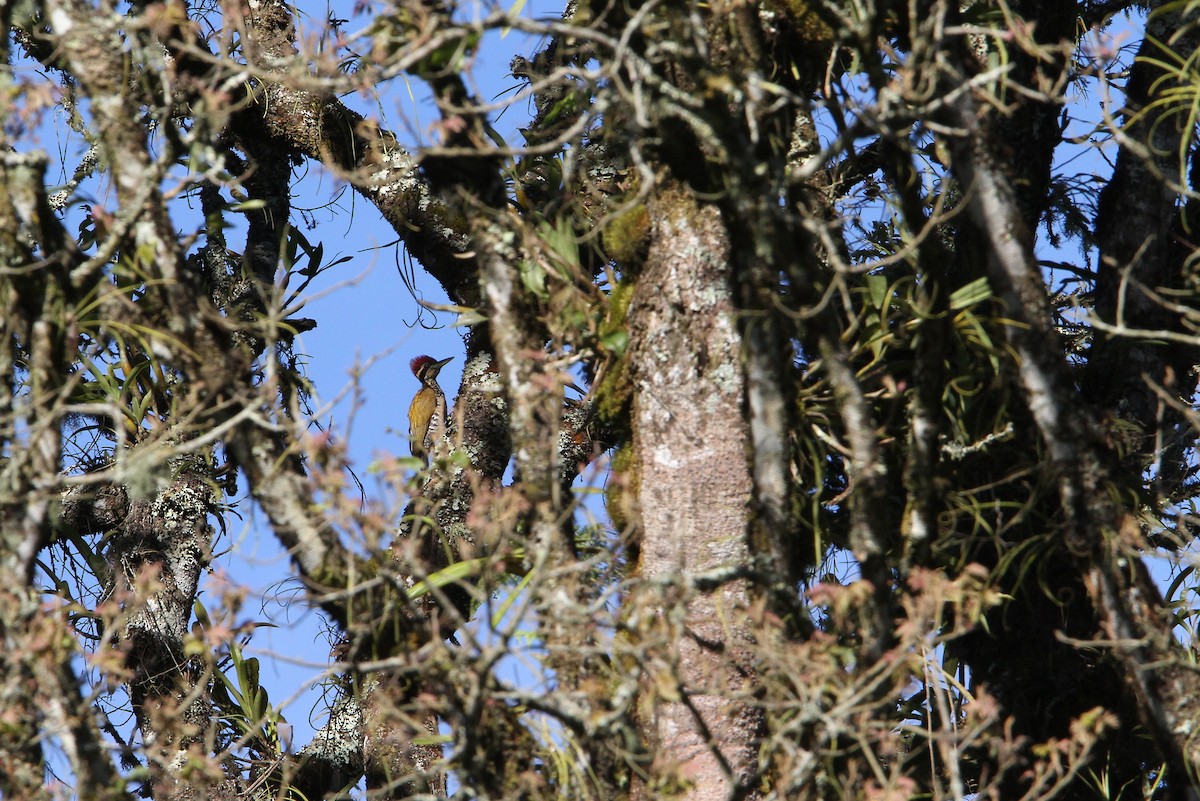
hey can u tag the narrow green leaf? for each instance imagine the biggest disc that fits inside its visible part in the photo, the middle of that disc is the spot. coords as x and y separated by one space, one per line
975 292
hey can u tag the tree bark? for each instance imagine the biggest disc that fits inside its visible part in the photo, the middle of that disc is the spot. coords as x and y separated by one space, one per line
690 440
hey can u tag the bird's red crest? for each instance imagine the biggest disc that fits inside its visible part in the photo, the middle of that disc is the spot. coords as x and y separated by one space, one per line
420 361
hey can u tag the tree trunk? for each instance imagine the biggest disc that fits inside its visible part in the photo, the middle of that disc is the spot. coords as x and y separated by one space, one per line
693 487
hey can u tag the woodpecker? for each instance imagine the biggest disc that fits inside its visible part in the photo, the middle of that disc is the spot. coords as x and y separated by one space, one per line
427 412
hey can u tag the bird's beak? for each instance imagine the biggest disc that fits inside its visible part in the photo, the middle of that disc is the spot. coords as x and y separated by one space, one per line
436 367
